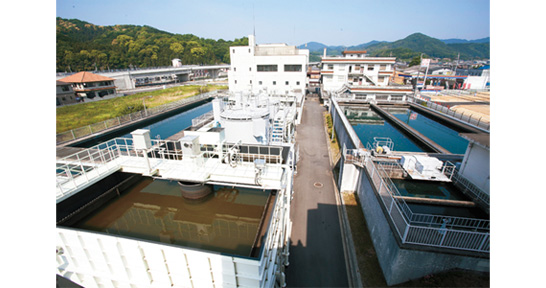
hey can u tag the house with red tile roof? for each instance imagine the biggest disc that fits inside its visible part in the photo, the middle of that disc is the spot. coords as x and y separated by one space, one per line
89 85
65 94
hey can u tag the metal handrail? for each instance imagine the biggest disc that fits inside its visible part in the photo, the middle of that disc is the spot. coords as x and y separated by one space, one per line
423 229
450 113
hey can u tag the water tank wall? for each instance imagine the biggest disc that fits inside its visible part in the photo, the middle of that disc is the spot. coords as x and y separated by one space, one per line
69 205
239 130
131 262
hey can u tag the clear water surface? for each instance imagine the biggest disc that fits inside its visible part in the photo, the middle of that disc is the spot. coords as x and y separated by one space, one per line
442 135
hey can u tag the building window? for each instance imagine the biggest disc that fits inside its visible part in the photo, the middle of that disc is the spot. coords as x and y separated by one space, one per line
234 69
249 68
330 66
249 50
259 82
233 50
292 68
383 67
286 82
274 82
267 68
371 67
250 81
235 81
298 83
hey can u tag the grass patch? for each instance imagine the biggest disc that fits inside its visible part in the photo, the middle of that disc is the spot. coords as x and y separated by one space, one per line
334 144
75 116
368 265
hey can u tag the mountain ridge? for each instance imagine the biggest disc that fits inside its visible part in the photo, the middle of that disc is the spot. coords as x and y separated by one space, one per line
411 46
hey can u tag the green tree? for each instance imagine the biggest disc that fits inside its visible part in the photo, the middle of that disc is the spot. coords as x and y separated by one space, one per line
415 61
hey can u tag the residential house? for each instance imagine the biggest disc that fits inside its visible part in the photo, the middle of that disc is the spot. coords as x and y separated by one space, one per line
89 85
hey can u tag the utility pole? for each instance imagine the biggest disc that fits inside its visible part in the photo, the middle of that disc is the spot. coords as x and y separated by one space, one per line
418 75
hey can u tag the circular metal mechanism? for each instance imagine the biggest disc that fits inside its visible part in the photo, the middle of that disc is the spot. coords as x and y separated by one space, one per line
318 185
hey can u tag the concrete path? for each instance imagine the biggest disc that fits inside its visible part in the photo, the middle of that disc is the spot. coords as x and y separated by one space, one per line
316 252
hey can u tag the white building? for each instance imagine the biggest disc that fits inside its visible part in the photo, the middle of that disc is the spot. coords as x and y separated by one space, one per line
275 68
355 68
177 62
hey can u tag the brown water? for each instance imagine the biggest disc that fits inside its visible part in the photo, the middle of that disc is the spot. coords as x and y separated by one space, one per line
225 221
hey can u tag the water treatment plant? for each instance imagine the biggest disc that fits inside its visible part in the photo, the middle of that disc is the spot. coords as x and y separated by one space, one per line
232 189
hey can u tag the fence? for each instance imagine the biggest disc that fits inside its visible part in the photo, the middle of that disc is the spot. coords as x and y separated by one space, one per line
121 120
422 229
468 118
83 168
87 166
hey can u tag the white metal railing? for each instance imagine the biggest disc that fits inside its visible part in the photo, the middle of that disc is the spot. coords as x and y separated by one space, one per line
250 153
82 168
202 119
417 228
469 187
380 142
468 118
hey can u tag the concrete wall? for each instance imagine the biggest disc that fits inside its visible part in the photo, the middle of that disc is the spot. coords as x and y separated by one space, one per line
403 264
475 166
397 263
344 131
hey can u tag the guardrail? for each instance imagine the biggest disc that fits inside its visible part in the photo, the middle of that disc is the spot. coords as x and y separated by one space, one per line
422 229
82 168
468 118
121 120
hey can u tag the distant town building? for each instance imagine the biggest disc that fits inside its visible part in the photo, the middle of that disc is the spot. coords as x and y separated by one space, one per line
313 75
476 78
355 68
362 77
89 85
275 68
177 62
65 93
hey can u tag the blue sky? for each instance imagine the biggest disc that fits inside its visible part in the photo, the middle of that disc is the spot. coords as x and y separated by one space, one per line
293 21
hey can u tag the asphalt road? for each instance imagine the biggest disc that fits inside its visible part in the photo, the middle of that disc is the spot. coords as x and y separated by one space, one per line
316 251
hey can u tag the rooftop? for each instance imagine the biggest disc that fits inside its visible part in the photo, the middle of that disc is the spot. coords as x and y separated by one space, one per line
85 77
355 52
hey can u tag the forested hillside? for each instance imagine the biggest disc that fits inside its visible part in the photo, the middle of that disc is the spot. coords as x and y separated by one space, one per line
410 47
83 46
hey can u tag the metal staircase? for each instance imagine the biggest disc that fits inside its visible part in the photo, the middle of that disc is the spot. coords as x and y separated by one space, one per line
277 131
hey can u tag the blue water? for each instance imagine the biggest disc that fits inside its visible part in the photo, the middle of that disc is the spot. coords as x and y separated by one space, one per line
367 131
174 124
444 136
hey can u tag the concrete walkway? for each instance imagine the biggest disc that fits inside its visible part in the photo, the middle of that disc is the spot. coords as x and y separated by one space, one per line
316 252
